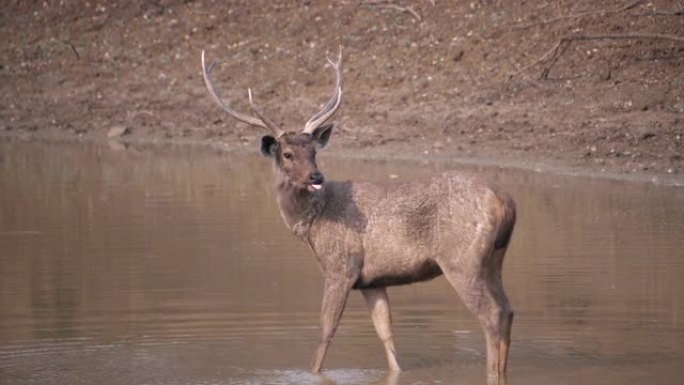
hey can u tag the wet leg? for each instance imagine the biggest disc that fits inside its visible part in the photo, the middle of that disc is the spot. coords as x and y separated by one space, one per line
378 304
482 292
504 311
334 299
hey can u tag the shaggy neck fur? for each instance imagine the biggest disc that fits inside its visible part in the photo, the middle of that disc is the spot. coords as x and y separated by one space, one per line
298 207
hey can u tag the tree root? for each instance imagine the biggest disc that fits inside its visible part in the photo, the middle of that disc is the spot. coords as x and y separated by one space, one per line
564 43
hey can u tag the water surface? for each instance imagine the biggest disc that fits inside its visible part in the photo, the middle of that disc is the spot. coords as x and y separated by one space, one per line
172 266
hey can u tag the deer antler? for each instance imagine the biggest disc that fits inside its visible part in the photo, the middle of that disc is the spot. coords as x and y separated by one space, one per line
333 104
260 120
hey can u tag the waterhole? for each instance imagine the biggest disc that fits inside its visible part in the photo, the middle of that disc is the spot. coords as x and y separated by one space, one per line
148 265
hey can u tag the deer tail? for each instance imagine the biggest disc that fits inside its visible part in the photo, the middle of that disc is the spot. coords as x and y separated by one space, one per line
506 221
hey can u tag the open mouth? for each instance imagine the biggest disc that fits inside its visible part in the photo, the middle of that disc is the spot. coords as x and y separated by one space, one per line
314 187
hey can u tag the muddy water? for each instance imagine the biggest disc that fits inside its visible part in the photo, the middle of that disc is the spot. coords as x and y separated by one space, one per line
172 266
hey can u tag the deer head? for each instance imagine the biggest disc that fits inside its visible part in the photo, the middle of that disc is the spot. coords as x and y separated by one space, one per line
294 152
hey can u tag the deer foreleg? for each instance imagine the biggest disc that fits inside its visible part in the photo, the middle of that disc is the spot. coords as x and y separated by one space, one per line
334 298
378 303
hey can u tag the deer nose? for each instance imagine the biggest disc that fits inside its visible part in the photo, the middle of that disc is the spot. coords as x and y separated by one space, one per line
316 178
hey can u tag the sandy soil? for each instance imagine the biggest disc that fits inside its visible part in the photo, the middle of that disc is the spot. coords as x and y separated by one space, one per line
428 79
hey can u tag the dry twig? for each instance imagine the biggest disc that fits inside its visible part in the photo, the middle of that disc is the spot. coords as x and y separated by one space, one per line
389 5
73 48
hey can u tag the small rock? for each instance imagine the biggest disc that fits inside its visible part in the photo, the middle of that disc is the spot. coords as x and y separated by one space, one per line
116 145
118 131
647 134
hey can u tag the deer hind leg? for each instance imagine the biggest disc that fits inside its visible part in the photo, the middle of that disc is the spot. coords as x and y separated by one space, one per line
505 312
481 290
378 303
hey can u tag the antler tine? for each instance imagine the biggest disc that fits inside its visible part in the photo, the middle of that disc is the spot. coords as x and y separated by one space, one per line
274 127
338 83
333 104
260 121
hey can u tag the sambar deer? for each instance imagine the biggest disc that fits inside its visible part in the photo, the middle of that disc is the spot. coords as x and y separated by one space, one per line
367 237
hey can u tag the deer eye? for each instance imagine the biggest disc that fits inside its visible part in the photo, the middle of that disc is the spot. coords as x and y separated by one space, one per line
287 155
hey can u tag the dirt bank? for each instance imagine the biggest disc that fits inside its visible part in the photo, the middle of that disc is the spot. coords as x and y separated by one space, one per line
438 79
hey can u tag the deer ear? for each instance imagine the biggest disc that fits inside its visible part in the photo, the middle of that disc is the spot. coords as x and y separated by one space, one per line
268 145
322 134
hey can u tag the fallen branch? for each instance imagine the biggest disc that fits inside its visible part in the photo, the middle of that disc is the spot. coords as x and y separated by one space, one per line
564 42
627 36
604 12
660 13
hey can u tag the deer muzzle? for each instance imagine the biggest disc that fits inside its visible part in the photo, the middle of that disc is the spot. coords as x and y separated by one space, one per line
316 180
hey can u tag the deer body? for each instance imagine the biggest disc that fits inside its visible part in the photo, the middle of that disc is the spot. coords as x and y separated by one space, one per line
368 236
400 233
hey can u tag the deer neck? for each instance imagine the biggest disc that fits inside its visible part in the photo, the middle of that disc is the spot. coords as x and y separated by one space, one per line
299 207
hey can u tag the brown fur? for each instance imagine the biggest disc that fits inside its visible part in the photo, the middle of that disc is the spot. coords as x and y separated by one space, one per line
366 237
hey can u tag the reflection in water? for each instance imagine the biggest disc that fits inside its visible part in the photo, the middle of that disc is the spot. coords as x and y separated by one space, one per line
148 265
